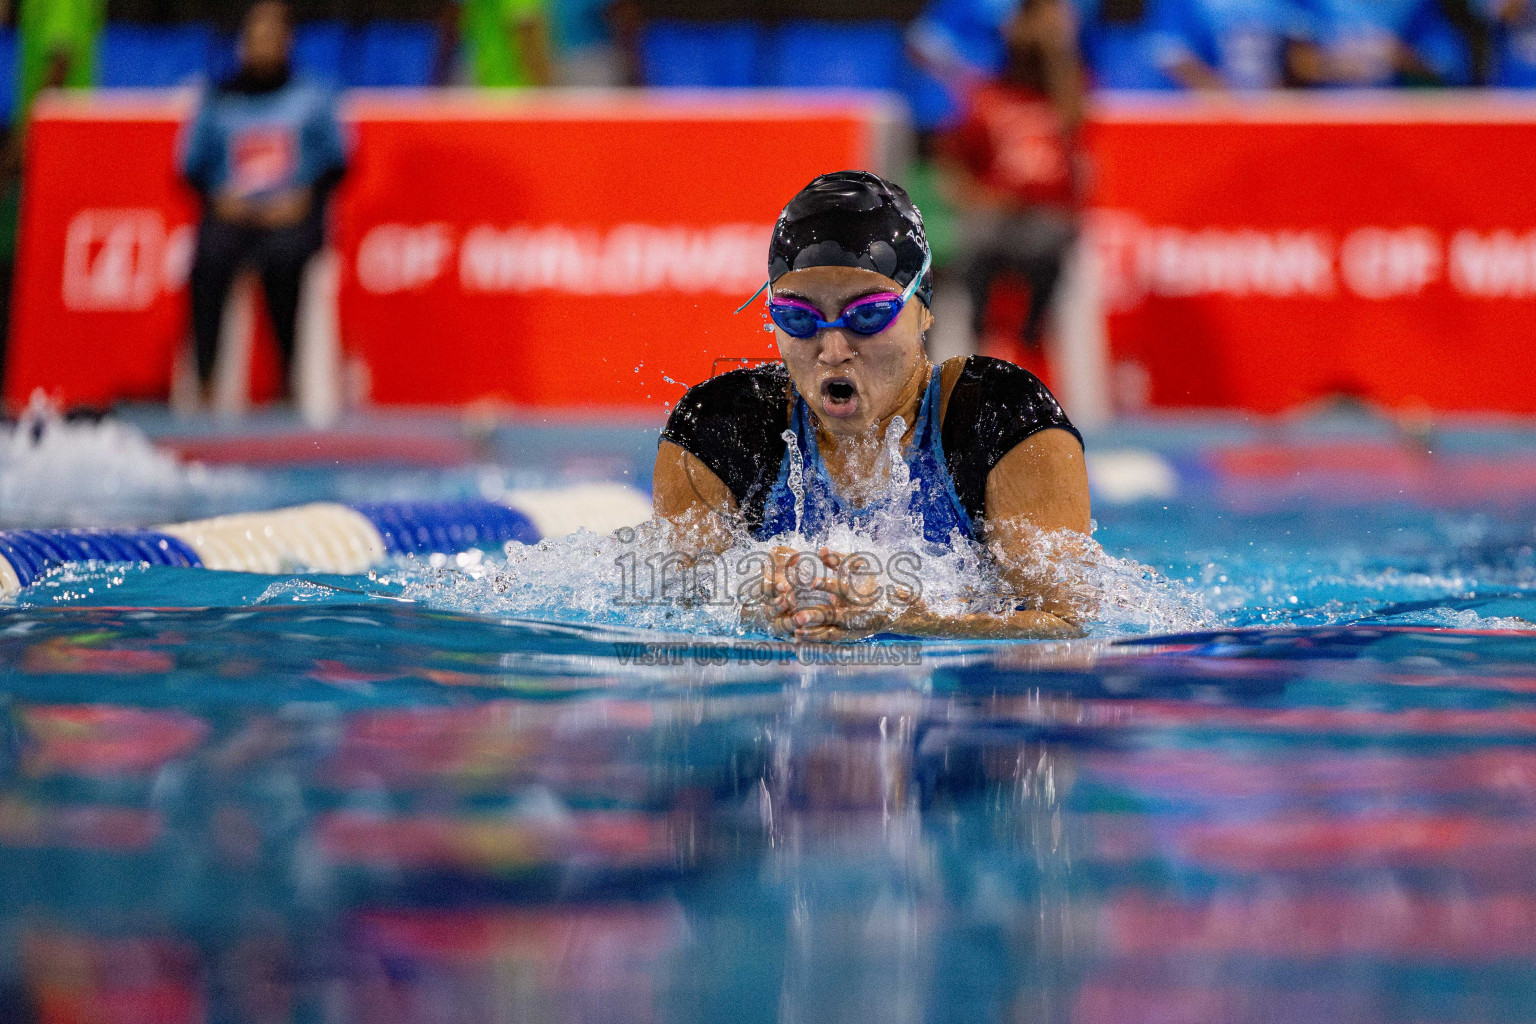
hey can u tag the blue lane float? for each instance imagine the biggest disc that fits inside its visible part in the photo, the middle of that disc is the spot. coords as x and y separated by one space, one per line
30 553
328 536
416 528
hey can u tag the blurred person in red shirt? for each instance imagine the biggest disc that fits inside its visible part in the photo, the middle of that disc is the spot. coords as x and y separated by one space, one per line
1014 161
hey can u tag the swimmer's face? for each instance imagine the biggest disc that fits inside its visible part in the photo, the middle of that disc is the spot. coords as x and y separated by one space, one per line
851 381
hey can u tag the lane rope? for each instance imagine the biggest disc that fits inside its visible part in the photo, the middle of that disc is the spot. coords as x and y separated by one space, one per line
329 536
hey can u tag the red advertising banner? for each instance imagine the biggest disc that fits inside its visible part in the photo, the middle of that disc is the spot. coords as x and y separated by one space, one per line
587 251
1275 252
566 251
99 301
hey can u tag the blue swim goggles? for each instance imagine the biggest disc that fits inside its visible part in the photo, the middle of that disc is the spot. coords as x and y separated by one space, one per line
868 315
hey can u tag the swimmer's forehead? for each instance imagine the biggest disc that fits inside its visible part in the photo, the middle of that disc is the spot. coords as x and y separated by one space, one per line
833 283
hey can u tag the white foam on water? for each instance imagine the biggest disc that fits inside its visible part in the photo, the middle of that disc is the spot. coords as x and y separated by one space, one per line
607 581
1462 618
58 472
638 578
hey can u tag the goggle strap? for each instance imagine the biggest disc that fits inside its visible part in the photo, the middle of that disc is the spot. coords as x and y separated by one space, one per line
911 289
906 295
753 299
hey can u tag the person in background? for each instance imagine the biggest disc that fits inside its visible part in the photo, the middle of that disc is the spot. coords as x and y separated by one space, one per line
1512 27
1118 43
506 42
587 55
1227 44
58 46
264 151
1015 163
954 41
1376 43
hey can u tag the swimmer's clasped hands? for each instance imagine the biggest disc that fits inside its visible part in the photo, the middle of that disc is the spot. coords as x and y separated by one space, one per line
838 603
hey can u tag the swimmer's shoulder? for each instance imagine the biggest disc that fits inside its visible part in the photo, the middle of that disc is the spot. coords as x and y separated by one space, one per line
734 424
730 395
998 399
991 407
728 403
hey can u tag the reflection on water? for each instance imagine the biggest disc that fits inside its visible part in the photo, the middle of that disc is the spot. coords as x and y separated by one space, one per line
375 813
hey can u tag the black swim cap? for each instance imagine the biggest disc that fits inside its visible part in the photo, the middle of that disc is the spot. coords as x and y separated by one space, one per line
852 219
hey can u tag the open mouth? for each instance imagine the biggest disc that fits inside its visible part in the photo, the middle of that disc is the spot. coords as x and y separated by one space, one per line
839 396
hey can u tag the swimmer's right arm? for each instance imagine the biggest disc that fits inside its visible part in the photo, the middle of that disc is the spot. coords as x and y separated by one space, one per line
689 497
702 514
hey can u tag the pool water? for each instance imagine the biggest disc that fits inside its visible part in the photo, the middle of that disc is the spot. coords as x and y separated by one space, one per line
478 791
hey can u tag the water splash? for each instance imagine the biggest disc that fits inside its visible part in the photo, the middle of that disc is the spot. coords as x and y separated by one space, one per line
894 466
62 472
894 515
80 473
649 577
643 578
796 476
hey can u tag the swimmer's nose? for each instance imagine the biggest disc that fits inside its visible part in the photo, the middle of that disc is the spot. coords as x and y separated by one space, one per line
834 347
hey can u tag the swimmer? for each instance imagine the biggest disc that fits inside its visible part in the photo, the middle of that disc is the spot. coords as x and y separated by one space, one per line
995 459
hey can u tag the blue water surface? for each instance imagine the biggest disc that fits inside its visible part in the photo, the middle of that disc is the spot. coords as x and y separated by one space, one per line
228 797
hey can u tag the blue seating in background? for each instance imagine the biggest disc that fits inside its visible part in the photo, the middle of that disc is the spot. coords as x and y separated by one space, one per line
798 54
385 54
7 81
1120 56
320 51
380 55
933 105
142 56
850 55
1444 49
395 53
700 54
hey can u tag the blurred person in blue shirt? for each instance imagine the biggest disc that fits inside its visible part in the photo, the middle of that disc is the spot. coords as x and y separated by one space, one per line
1228 44
1377 43
953 40
958 39
963 34
584 44
1119 44
1513 24
264 151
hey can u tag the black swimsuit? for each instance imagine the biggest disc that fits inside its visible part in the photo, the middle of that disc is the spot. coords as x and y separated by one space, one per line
734 424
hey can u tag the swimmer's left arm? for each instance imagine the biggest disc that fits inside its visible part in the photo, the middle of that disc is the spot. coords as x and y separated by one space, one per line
1038 522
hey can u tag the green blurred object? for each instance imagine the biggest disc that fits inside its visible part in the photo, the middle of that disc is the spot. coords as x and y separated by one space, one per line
10 217
50 29
923 184
488 27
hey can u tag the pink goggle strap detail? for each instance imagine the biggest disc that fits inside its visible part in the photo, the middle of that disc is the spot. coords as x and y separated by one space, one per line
866 300
796 304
